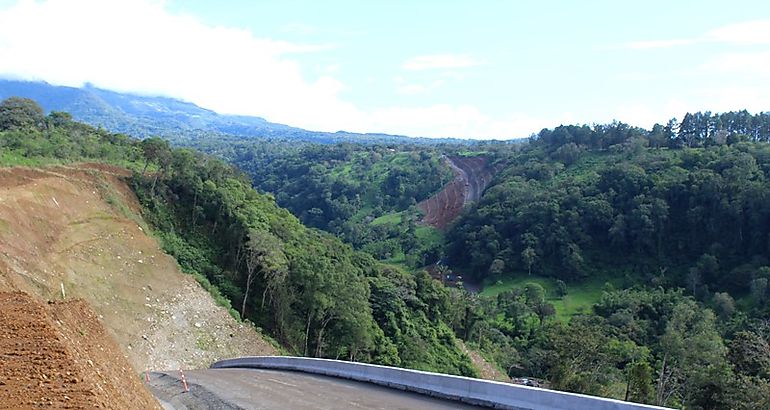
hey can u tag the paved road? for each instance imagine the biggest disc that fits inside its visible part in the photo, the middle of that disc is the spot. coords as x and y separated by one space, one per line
272 389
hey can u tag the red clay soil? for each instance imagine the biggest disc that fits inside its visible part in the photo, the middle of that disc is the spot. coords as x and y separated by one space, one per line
472 176
59 356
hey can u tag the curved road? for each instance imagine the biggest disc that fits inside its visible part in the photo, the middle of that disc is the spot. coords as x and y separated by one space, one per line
272 389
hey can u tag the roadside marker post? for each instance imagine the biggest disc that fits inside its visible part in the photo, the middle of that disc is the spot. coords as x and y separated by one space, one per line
184 381
147 376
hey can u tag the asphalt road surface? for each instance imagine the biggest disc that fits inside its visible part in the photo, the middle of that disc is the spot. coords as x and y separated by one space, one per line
272 389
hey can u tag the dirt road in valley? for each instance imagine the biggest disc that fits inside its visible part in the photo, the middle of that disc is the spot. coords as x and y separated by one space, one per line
472 176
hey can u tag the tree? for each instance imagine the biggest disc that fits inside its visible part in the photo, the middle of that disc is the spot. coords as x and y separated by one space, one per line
724 305
263 252
534 293
497 267
18 112
568 153
750 354
708 267
561 288
544 310
694 365
759 290
59 118
640 389
529 256
156 150
693 279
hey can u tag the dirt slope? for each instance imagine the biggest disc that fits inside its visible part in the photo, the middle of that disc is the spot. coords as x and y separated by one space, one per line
78 227
59 356
487 370
472 175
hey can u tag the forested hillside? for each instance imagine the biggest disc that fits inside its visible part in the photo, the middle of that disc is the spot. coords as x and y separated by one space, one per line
366 194
662 235
576 200
613 260
313 293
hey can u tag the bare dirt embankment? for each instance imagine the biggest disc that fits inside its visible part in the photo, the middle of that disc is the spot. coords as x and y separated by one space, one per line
472 176
79 227
58 355
487 370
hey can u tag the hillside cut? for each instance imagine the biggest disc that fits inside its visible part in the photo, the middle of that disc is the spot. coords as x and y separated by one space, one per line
472 176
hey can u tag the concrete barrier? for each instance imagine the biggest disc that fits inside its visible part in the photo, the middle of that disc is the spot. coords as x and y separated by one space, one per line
469 390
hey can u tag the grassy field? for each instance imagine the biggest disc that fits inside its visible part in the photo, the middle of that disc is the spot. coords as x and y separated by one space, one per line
580 296
10 158
429 235
391 219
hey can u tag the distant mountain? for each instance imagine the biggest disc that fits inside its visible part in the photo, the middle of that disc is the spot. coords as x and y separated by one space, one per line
143 116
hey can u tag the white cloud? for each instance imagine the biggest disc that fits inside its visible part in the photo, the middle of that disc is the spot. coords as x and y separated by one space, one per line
298 28
655 44
646 115
732 98
752 63
139 46
411 89
744 33
465 121
749 32
406 88
440 61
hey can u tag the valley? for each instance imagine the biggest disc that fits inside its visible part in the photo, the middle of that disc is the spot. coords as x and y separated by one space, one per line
172 248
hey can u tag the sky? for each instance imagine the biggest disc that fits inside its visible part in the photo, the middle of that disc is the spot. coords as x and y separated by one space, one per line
468 69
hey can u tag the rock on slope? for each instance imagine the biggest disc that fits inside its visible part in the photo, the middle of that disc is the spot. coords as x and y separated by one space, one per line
78 227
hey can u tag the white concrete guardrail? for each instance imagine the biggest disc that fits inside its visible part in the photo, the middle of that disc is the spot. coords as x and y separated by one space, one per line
468 390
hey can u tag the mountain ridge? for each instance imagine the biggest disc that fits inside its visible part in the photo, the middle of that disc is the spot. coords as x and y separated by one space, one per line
145 116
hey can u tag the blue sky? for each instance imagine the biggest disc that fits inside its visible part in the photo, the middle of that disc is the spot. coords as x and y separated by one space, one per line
477 69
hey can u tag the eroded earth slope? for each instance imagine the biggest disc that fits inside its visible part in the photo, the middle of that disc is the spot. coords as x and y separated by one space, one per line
472 176
77 228
58 355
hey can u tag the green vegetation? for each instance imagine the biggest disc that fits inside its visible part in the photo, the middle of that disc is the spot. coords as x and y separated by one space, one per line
312 293
364 194
637 241
316 295
31 139
616 261
674 220
575 299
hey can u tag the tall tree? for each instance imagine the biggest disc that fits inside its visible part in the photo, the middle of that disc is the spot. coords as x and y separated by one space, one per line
263 252
18 112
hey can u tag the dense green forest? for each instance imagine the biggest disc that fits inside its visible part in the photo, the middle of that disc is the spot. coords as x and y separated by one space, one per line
614 260
619 261
314 294
366 194
675 222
